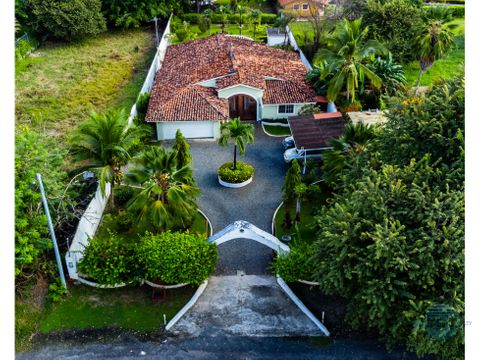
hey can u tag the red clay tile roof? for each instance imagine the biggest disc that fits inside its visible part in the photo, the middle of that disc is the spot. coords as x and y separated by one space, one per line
233 61
316 131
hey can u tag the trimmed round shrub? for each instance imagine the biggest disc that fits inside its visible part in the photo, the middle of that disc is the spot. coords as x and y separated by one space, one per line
241 174
176 258
295 265
109 260
204 23
181 34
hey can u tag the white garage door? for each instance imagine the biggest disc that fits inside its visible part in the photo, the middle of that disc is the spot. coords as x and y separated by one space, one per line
189 129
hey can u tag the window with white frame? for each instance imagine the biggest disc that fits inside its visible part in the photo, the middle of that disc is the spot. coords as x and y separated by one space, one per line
285 109
296 6
305 6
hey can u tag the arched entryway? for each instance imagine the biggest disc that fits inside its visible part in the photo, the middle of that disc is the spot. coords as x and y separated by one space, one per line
242 106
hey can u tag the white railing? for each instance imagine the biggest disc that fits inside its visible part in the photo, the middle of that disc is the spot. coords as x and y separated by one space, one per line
156 65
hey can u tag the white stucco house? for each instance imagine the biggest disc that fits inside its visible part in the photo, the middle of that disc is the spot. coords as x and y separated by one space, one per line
206 81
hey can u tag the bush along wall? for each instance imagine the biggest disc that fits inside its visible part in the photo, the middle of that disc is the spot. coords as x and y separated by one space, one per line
194 18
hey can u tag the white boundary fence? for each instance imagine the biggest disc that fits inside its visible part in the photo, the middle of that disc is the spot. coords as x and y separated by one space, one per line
156 65
293 42
85 230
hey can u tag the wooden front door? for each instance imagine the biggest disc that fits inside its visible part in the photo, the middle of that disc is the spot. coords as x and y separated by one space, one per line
243 106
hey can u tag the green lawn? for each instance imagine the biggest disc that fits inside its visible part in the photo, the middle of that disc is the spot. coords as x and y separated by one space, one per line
277 130
231 29
301 30
128 308
450 66
305 229
63 83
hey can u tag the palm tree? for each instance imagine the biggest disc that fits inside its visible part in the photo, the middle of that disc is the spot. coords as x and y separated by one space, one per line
256 16
434 39
240 134
104 144
349 49
391 74
347 149
167 198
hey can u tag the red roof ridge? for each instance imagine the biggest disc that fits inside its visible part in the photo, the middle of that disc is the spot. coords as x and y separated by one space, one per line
328 115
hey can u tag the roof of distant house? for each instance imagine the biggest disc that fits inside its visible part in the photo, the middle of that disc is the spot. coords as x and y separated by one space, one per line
315 131
179 95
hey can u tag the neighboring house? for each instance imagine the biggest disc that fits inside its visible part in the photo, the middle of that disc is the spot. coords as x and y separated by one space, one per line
206 81
304 8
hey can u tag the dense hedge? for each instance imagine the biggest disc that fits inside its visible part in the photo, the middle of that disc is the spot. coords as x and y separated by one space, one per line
109 260
193 18
297 264
241 174
174 258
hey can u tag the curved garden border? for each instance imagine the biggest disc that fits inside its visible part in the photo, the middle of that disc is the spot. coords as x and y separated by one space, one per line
274 124
234 185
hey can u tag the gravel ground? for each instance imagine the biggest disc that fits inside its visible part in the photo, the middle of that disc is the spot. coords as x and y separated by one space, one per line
254 203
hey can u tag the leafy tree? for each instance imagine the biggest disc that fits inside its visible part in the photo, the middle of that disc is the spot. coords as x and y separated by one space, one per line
282 22
242 11
35 153
104 144
240 134
204 23
181 146
167 199
434 39
66 19
347 152
393 245
321 75
293 178
348 48
391 74
174 258
393 23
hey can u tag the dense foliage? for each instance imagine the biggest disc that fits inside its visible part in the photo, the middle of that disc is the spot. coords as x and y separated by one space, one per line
242 173
297 264
34 153
393 22
174 258
167 198
393 241
133 13
66 19
109 260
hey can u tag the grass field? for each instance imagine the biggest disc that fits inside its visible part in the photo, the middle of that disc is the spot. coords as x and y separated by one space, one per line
277 130
129 308
62 83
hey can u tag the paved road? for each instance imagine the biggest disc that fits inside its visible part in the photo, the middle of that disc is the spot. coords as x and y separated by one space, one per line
254 203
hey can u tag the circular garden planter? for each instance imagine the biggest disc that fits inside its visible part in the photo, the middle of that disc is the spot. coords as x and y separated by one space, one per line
162 286
238 178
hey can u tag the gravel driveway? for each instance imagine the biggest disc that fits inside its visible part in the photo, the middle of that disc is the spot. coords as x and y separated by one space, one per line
254 203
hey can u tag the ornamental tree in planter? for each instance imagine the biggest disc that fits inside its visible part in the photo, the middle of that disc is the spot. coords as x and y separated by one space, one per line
176 258
240 134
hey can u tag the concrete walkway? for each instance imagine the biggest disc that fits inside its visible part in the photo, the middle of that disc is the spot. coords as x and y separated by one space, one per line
248 305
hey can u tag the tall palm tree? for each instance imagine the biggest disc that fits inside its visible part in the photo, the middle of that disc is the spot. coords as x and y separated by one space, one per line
168 194
104 144
349 49
240 134
434 39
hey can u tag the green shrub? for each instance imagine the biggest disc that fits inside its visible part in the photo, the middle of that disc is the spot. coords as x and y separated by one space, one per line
132 13
243 172
204 23
174 258
295 265
67 19
268 18
142 103
123 194
457 11
109 260
192 18
218 18
182 34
